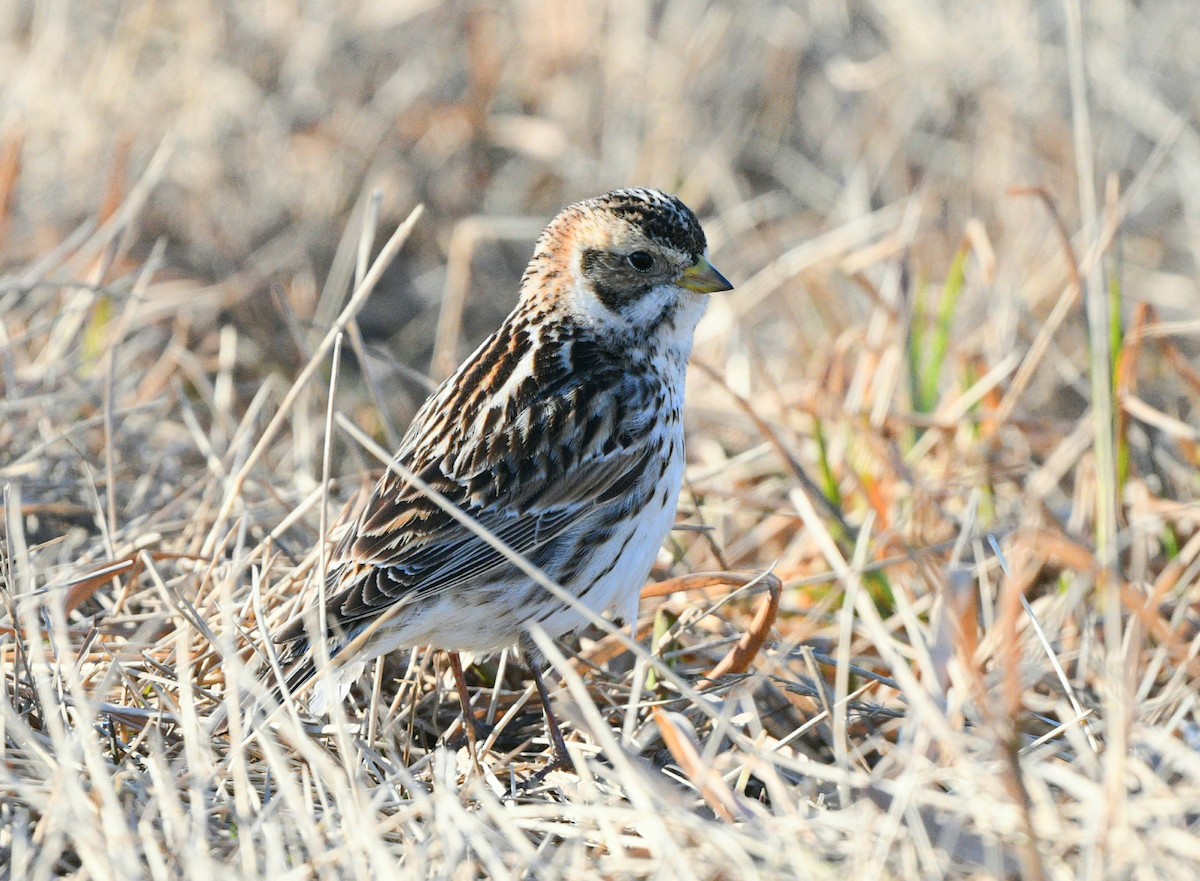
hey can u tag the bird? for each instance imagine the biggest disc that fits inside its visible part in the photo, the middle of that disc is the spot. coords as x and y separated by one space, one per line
561 435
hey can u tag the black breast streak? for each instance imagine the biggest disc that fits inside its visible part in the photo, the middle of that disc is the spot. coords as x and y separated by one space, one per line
626 483
665 319
609 568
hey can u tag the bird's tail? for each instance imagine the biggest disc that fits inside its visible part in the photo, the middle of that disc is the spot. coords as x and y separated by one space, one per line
298 666
298 662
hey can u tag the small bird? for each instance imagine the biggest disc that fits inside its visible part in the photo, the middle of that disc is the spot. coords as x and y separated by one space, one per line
561 435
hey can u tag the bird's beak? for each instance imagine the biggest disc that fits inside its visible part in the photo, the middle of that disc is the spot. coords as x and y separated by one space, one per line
702 278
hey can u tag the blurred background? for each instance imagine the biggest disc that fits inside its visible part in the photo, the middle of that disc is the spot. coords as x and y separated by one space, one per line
896 123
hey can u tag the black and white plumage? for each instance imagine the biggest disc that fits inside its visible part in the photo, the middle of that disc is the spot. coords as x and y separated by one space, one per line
562 435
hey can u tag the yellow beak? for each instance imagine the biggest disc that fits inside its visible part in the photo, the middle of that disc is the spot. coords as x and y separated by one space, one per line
702 278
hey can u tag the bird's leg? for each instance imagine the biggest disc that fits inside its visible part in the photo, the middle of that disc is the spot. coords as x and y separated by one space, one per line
470 723
562 758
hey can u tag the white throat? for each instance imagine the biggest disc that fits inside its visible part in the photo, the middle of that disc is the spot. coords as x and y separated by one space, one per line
665 318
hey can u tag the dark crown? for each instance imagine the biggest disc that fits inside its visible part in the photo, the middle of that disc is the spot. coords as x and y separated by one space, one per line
662 217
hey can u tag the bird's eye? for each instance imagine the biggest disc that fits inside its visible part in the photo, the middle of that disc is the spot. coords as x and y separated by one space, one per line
640 260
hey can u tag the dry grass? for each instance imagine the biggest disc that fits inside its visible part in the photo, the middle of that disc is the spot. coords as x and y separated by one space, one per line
950 411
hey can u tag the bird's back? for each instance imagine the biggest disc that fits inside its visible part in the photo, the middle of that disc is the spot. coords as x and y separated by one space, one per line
573 459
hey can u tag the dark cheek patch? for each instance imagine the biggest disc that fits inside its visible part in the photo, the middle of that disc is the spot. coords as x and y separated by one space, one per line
611 282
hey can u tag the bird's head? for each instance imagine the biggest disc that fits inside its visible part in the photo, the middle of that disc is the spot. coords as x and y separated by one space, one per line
631 261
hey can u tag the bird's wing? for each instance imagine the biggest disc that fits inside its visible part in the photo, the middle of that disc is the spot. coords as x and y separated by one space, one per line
526 474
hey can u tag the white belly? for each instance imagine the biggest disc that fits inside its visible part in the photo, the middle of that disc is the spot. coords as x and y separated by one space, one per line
619 587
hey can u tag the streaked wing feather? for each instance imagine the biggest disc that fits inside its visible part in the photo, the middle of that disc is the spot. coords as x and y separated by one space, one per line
408 548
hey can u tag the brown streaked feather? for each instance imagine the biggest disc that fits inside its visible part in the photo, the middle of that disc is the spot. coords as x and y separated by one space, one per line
579 437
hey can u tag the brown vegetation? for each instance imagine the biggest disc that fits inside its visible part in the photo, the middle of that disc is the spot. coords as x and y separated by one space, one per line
931 610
